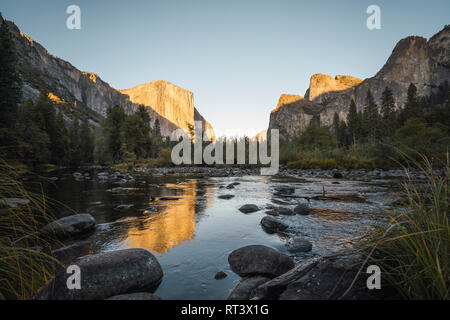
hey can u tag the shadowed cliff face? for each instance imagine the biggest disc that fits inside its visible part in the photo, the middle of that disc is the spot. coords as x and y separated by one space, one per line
171 105
413 60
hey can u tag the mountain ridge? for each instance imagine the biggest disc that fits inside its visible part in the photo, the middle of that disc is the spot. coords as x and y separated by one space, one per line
414 59
40 70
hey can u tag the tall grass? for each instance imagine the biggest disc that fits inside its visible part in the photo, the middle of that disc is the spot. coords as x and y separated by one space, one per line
25 260
413 250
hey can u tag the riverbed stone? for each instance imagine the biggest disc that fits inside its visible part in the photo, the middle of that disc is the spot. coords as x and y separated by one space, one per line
70 252
135 296
70 227
272 225
107 274
226 196
337 174
302 209
15 202
244 290
259 260
220 275
285 211
123 207
249 208
299 244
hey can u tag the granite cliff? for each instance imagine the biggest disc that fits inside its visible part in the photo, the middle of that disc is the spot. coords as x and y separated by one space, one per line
413 60
171 105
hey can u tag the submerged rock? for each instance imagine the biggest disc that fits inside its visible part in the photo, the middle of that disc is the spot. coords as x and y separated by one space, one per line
220 275
285 211
244 290
302 209
272 225
259 260
123 207
226 196
107 274
298 244
135 296
15 202
70 227
249 208
337 174
69 253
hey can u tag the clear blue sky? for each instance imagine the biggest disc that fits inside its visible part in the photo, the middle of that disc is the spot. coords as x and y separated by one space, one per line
237 56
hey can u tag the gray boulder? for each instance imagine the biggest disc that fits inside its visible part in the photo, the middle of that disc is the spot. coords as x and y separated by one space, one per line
259 260
70 227
107 274
226 196
298 244
249 208
244 290
302 209
272 225
70 252
14 202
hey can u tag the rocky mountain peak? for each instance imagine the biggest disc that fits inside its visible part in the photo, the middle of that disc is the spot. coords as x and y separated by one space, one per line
320 84
171 105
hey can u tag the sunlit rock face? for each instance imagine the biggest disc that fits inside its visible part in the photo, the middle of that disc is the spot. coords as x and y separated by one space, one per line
320 84
171 105
413 60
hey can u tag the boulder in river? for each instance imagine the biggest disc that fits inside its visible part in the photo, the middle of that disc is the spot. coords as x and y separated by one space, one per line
107 274
249 208
123 207
135 296
220 275
244 290
302 209
226 196
70 252
15 202
337 174
285 190
285 211
70 227
259 260
299 244
272 225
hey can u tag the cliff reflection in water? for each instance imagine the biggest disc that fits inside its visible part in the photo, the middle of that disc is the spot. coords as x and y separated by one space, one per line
173 224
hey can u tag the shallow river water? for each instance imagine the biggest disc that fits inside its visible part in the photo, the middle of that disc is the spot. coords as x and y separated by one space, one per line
193 235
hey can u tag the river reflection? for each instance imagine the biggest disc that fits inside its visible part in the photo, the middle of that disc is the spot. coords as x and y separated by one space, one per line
160 231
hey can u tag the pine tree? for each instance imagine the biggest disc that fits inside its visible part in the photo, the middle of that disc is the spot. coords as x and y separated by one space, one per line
371 116
352 120
75 153
412 107
61 141
112 127
87 146
388 113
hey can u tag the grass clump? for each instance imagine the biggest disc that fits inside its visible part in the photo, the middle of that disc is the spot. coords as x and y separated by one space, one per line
413 250
26 262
